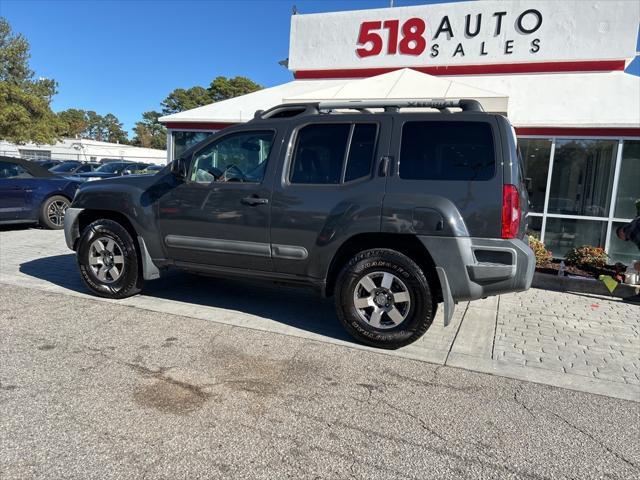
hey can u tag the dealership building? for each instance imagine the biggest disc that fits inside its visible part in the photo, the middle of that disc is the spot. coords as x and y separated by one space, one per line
554 68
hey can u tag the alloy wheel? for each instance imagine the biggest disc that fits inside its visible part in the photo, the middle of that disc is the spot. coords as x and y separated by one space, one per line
106 259
56 211
382 300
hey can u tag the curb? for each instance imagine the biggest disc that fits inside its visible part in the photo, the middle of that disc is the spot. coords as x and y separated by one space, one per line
546 281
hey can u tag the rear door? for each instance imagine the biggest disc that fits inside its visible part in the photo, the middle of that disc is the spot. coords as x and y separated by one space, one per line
445 163
327 190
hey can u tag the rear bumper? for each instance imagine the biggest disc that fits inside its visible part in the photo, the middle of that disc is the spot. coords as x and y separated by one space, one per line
480 267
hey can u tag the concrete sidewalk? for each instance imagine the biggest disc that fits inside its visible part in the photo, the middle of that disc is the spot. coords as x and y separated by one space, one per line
584 343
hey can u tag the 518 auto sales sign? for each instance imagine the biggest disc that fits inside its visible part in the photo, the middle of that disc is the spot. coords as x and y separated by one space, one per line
467 33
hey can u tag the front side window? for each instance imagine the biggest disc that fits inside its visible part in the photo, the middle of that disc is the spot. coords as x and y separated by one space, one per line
447 151
240 157
11 170
321 149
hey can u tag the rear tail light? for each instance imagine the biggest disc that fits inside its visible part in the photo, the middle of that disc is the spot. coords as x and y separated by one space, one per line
510 211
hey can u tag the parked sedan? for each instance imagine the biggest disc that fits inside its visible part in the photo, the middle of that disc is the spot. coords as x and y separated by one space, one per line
30 193
114 169
48 163
72 167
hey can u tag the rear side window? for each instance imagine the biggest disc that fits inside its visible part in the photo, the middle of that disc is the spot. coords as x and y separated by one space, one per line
322 149
447 151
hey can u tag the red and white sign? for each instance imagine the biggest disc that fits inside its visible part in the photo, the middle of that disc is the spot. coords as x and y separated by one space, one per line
483 35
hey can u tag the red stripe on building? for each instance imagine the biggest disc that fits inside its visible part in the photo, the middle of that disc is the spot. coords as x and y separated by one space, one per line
577 132
198 125
541 67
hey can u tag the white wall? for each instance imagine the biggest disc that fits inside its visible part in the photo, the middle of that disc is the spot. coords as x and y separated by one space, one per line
84 150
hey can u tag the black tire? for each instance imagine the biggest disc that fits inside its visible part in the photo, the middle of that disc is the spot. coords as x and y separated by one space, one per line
129 280
52 212
408 277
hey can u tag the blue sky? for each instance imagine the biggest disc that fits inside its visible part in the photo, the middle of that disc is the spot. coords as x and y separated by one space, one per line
124 57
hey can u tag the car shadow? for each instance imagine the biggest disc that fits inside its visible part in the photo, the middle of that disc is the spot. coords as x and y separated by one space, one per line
296 307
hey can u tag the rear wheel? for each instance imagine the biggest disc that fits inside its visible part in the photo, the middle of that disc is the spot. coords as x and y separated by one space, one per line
108 260
383 299
52 212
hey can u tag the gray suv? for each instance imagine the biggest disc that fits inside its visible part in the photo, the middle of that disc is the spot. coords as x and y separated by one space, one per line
390 208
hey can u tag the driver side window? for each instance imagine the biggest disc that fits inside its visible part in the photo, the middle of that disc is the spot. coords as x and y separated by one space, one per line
239 157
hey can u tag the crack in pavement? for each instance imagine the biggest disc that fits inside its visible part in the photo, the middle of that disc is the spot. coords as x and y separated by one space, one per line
619 456
530 410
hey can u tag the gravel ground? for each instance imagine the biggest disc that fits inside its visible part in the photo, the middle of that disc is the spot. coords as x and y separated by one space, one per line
91 389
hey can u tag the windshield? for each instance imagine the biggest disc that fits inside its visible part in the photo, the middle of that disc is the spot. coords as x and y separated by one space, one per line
64 167
110 168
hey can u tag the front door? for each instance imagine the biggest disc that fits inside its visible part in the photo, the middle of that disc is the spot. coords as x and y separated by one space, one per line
15 188
219 216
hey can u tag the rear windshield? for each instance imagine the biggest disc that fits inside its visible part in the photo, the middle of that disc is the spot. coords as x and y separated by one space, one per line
447 151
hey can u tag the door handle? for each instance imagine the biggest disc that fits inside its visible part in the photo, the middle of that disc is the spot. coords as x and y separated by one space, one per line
254 201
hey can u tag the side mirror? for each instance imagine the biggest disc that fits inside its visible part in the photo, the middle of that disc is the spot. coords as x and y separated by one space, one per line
179 167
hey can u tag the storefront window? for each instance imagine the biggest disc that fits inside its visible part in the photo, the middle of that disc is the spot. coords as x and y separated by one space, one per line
629 180
183 140
582 178
562 234
621 251
535 155
534 226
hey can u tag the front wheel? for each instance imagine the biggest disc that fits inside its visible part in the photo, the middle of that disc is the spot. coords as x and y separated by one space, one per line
108 260
383 299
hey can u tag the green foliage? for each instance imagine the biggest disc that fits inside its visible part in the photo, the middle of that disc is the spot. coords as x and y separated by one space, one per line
220 88
14 55
587 256
543 256
25 112
181 99
75 123
223 88
149 132
25 117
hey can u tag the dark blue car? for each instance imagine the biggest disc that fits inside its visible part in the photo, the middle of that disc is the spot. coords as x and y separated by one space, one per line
114 169
30 193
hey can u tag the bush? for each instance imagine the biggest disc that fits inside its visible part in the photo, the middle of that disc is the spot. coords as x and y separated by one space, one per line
543 256
587 256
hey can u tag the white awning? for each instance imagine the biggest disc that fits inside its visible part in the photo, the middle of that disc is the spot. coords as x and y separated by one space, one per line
405 83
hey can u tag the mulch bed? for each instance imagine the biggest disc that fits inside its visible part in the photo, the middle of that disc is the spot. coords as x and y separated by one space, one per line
589 272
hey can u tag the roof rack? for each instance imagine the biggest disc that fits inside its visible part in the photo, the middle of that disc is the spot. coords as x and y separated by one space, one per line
288 110
466 105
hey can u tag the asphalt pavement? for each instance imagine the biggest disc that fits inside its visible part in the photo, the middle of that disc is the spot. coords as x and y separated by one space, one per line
93 389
